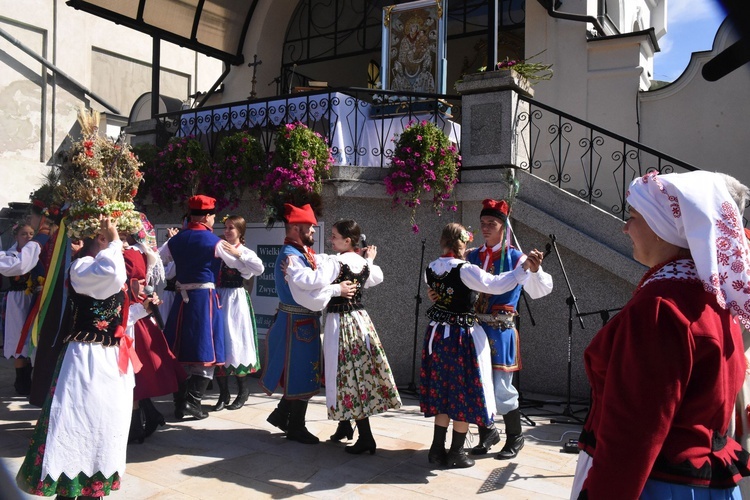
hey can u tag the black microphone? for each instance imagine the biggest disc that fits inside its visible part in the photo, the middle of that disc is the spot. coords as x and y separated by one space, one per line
153 309
363 241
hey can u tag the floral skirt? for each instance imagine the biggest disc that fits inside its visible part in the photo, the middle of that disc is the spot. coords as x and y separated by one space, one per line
450 377
364 384
83 427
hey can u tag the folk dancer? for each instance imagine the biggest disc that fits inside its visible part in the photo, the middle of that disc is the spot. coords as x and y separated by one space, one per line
79 444
195 327
455 377
359 381
17 263
496 314
293 341
241 340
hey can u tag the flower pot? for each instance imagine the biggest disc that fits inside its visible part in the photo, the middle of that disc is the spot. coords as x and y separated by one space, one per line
491 81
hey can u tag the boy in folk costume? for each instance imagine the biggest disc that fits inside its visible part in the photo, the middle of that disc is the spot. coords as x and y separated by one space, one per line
293 341
79 444
496 314
195 327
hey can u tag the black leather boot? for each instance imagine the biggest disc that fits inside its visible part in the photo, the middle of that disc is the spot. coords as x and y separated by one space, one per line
153 417
514 440
488 436
23 380
365 441
344 430
179 399
297 430
513 444
457 457
136 433
224 395
279 417
195 389
437 453
242 396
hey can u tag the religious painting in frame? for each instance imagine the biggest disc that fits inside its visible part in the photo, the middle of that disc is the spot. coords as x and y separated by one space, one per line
414 42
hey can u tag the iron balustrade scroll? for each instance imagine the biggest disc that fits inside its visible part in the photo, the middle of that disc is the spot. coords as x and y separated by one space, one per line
360 125
593 163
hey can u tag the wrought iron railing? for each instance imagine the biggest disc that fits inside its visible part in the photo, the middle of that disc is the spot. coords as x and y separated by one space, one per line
360 125
582 158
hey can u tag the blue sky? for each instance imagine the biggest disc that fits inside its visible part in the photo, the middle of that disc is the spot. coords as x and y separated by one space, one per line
691 27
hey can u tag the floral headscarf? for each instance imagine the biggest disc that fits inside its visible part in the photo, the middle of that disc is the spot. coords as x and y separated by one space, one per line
694 210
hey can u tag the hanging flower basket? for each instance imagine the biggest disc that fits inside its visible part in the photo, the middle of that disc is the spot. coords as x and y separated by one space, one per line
425 164
241 166
299 164
177 171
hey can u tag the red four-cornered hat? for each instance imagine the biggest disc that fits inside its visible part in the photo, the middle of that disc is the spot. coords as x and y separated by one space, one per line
495 208
299 215
201 204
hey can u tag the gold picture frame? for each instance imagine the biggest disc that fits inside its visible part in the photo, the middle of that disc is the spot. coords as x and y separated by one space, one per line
414 44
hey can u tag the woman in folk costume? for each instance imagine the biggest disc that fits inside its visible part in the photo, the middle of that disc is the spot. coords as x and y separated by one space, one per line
456 375
359 382
161 373
79 444
240 333
17 263
665 371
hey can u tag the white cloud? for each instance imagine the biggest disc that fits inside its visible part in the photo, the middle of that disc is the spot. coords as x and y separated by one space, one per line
666 44
687 11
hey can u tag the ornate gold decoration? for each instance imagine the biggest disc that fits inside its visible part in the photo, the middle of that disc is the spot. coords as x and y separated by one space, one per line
387 18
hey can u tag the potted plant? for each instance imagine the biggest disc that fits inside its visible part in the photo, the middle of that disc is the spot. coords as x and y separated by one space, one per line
424 161
514 74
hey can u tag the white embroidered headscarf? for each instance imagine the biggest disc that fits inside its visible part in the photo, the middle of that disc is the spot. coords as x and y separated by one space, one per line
694 210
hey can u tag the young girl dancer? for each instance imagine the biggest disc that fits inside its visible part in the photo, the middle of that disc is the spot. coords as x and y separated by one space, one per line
456 375
241 344
17 264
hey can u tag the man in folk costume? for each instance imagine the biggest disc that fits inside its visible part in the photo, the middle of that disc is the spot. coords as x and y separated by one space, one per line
496 314
195 328
293 342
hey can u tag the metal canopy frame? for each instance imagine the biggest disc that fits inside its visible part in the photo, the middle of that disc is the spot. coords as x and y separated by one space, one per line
216 28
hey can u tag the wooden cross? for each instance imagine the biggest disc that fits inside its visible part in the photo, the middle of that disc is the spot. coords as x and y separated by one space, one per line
254 65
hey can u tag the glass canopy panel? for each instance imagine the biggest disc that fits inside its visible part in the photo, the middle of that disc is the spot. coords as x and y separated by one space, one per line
127 8
222 23
173 16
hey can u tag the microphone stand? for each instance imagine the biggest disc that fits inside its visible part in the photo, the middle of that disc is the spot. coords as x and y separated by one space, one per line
572 303
567 411
412 387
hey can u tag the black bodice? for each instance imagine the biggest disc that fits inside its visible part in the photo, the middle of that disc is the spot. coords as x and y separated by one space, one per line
229 278
455 304
93 320
341 304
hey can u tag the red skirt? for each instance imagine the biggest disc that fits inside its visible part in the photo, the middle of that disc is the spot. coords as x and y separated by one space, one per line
161 373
